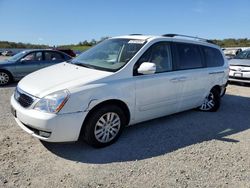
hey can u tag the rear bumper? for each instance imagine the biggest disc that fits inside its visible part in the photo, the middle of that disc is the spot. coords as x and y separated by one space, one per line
59 127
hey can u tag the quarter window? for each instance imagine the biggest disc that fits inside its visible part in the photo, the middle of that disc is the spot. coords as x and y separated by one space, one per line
189 56
213 57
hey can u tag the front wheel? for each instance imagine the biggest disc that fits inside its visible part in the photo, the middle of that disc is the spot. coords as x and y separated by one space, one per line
211 102
104 126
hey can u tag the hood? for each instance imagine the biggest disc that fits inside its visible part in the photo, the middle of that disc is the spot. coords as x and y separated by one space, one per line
59 77
244 62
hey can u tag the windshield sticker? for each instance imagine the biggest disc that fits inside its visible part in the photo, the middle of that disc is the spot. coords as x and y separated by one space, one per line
136 41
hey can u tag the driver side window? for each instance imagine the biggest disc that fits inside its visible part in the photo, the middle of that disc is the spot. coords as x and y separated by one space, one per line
159 54
33 56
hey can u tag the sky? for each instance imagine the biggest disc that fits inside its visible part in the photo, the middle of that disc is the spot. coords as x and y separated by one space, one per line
58 22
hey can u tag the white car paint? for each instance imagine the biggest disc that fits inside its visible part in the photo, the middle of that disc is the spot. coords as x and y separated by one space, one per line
146 96
239 70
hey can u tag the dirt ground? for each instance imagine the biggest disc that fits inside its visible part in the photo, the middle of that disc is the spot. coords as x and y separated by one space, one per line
189 149
3 57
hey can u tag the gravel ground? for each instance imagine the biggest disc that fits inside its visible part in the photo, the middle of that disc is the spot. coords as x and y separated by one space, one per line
3 57
189 149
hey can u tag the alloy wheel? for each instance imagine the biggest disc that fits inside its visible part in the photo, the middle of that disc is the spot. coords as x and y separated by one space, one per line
208 103
4 78
107 127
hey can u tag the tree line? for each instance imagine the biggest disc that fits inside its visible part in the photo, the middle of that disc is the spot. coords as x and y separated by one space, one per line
7 44
243 42
83 45
230 42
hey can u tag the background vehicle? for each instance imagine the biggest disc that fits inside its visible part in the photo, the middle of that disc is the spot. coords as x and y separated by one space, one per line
67 51
28 61
240 67
120 81
7 53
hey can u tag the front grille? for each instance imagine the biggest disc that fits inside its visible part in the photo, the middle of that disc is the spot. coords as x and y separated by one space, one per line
242 70
24 99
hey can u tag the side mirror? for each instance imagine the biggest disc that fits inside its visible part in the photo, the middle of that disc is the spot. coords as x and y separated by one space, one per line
22 60
147 68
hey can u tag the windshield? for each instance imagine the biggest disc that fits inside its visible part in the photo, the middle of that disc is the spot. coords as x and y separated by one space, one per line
17 56
109 55
243 55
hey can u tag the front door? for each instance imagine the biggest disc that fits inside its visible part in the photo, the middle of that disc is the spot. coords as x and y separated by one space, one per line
28 64
157 94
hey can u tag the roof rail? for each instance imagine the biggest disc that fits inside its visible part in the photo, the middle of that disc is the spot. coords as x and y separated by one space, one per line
187 36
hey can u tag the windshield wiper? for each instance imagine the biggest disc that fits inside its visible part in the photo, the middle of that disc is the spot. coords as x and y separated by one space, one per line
82 64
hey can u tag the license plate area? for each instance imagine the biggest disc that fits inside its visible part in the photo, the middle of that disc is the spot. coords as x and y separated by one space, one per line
13 111
238 74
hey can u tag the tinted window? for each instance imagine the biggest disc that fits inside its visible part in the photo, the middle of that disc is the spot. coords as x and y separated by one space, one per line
213 57
188 56
53 56
160 55
243 55
248 55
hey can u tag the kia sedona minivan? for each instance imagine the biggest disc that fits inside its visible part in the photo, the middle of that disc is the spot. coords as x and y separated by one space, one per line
119 82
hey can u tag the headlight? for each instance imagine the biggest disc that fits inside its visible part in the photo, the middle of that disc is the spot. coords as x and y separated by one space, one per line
53 102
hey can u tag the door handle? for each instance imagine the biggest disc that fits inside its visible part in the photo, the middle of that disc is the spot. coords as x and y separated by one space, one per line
178 79
174 80
182 78
218 72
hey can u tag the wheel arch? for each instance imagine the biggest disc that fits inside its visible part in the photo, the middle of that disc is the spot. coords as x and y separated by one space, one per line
117 102
6 71
217 87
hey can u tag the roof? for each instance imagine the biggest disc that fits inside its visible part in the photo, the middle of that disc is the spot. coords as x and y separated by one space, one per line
170 37
135 36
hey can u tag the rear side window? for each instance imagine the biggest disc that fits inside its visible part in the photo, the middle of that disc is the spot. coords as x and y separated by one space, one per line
213 57
53 56
188 56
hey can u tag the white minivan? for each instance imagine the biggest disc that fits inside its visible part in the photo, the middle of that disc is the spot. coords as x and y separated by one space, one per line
121 81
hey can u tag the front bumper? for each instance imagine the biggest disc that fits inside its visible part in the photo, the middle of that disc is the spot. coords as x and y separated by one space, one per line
235 79
237 76
59 127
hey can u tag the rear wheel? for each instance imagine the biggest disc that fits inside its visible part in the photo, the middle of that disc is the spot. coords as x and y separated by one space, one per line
211 102
5 78
104 126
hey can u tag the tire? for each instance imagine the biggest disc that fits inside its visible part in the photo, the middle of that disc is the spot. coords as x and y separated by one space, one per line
211 102
5 78
104 126
224 92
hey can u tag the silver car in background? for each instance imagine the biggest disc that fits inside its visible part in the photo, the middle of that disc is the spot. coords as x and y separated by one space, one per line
240 67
